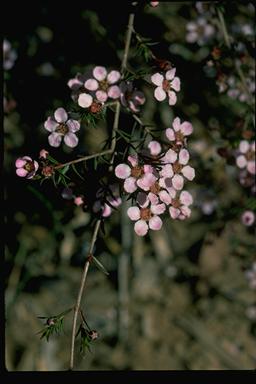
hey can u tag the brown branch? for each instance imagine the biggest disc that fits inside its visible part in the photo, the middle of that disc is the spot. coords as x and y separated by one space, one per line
97 226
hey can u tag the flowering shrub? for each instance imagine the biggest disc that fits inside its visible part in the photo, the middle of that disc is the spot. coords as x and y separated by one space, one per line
158 149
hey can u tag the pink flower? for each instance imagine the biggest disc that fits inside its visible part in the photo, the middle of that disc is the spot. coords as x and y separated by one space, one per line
199 31
103 84
179 131
165 86
135 175
246 156
85 100
130 97
79 200
26 167
146 218
248 218
60 126
154 3
9 55
179 208
43 154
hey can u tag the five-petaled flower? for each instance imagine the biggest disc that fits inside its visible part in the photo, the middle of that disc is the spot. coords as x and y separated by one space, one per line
146 217
26 167
165 86
62 127
246 156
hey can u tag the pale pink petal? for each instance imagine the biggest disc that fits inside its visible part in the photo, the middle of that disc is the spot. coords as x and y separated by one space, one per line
157 79
165 197
166 171
177 182
185 210
158 209
176 124
148 168
91 84
71 140
114 92
113 77
188 172
142 199
155 147
153 198
252 147
186 128
170 156
170 74
130 185
60 115
141 228
139 97
175 84
73 125
20 162
251 167
101 96
74 84
160 94
186 198
170 134
244 146
85 100
172 192
133 160
122 171
100 73
241 161
78 200
155 223
50 124
36 165
106 210
174 212
21 172
172 98
183 156
54 139
146 181
28 158
133 213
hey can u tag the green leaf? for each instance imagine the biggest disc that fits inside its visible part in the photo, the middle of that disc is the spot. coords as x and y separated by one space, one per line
99 265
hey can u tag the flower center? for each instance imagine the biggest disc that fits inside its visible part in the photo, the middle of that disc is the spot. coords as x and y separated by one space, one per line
95 107
177 167
145 214
104 85
137 172
175 203
155 188
62 129
48 171
179 136
166 85
29 166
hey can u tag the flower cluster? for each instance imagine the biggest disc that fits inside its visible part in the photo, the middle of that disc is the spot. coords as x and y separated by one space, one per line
155 177
9 55
199 31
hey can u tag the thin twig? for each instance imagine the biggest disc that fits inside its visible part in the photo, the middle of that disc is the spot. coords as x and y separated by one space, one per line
97 226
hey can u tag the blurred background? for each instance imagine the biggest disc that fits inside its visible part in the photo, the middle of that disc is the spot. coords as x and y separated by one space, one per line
180 298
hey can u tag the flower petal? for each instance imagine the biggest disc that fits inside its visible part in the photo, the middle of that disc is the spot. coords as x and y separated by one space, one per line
85 100
154 147
174 212
133 160
91 84
160 94
60 115
176 124
146 181
158 209
155 223
130 185
21 172
113 77
170 74
172 98
54 139
107 210
133 213
73 125
251 167
177 182
188 172
20 162
50 124
157 79
186 198
71 140
170 156
141 228
169 133
183 156
241 161
101 96
186 128
99 73
175 84
165 197
114 92
122 171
